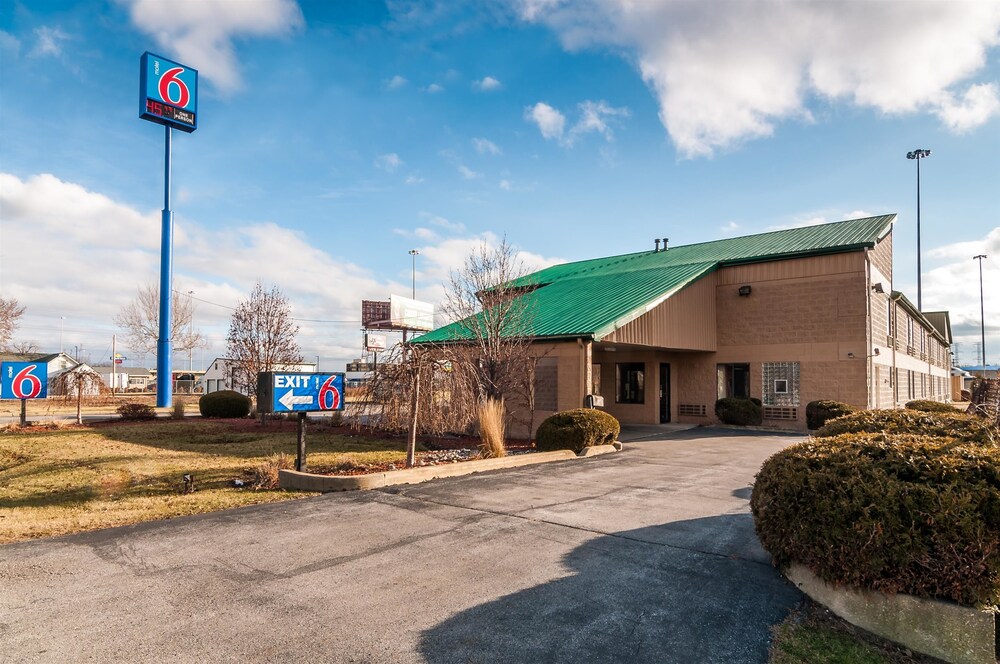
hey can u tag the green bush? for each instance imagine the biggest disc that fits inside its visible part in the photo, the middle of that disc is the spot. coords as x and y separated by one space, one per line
743 412
577 429
946 425
225 403
136 411
818 412
891 513
927 406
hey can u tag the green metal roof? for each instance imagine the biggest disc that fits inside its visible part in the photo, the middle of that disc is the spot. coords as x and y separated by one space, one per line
592 298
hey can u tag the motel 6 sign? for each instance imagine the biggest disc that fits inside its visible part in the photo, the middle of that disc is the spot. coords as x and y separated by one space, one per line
23 380
279 392
168 92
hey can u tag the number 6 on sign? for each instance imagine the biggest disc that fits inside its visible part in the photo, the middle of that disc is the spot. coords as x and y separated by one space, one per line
23 380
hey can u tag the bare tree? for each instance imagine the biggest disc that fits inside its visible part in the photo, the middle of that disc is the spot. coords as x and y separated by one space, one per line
77 382
10 314
261 337
23 347
484 298
140 319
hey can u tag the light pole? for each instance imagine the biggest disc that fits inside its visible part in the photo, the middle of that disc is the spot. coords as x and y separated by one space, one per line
190 330
918 154
414 253
317 364
982 310
62 319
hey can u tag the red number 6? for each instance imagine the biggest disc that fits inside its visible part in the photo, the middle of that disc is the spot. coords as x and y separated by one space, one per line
24 376
329 395
171 76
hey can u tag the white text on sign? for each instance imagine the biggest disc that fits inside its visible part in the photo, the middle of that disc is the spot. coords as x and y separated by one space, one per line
291 381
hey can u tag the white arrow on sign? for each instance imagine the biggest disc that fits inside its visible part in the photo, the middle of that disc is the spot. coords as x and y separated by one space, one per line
289 399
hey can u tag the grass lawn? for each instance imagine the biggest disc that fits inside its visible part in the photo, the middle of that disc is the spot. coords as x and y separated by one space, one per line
816 636
72 479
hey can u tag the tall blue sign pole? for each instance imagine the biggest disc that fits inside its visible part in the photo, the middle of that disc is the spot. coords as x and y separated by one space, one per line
168 95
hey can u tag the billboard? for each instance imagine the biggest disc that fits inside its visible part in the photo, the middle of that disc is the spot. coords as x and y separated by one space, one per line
407 314
375 315
375 342
282 392
168 92
24 380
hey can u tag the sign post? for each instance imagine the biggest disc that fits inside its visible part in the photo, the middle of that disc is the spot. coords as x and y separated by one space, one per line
168 95
298 392
24 380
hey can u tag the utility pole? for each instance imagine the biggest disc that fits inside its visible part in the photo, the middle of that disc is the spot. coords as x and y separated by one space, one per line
982 310
414 253
918 155
114 363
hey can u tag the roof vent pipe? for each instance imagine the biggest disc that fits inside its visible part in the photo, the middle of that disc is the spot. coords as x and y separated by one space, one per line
657 241
665 243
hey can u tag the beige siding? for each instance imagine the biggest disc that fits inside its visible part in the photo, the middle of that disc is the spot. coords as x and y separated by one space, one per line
881 257
685 320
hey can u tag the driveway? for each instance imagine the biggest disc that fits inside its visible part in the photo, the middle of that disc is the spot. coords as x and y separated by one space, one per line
647 555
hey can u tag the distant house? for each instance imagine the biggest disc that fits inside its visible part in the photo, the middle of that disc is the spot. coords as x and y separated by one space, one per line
125 379
57 365
983 370
221 374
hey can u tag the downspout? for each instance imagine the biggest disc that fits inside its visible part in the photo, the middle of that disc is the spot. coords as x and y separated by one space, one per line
870 353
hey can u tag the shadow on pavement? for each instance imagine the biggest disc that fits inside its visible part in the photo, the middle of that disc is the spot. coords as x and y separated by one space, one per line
700 590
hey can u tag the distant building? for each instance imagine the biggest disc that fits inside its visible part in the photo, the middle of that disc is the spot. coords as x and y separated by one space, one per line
221 374
787 317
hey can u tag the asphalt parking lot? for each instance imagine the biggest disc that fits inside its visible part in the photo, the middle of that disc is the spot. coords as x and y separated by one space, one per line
647 555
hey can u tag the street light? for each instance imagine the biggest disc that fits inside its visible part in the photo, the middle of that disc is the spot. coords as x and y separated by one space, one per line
982 310
918 155
414 253
190 295
62 319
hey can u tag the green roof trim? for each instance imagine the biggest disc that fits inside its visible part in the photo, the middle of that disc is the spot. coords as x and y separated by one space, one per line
593 298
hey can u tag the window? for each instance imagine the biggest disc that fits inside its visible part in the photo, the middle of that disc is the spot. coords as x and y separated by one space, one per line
631 382
780 383
734 381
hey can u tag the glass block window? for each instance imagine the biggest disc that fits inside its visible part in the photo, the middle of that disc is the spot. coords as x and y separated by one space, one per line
781 383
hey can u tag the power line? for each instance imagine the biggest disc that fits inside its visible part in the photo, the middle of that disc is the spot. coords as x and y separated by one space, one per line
301 320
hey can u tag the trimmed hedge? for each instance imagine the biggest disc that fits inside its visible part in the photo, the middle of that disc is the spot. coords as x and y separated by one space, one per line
225 403
819 412
956 425
577 429
892 513
136 412
742 412
927 406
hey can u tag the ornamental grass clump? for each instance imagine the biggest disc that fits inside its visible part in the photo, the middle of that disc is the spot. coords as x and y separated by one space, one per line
968 428
577 429
887 512
266 473
492 429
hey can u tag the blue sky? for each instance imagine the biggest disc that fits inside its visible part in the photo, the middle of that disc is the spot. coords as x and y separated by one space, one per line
336 136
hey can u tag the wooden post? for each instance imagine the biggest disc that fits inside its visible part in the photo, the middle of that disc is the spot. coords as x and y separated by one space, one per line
24 412
300 461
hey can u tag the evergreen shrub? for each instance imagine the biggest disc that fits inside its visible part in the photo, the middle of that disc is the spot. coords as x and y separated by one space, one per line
576 430
928 406
818 412
225 403
742 412
968 428
887 512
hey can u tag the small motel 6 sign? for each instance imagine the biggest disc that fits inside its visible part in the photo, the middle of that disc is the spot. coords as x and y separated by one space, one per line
279 392
23 380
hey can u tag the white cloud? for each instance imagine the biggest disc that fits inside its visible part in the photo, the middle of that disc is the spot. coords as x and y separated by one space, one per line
594 118
550 122
730 228
505 185
486 146
413 179
388 162
434 88
487 84
48 41
468 173
720 82
441 222
10 44
201 34
818 218
395 83
953 286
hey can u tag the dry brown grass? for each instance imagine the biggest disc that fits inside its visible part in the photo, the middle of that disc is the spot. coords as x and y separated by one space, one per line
71 479
492 430
265 473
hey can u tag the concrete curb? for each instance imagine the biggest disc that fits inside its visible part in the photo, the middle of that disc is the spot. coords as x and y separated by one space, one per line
953 633
294 480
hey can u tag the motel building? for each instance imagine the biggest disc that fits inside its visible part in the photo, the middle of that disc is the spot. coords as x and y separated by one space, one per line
787 317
